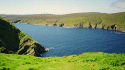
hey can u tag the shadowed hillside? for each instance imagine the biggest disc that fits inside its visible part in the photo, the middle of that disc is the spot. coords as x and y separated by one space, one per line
12 40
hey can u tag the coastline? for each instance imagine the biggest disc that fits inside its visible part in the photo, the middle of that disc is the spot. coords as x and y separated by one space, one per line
121 30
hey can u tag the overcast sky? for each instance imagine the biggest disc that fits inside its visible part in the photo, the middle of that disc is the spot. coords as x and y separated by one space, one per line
60 6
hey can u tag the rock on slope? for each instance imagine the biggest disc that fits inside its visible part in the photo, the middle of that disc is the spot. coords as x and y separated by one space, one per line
12 40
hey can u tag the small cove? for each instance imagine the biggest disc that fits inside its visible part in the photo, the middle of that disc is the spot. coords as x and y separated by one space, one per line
68 41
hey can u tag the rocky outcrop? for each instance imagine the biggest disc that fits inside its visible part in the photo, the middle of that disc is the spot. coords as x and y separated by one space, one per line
90 26
103 26
108 28
46 50
46 24
16 21
12 40
81 25
95 26
61 25
54 24
113 27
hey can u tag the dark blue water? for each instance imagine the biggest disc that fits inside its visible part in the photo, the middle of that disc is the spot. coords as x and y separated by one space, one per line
68 41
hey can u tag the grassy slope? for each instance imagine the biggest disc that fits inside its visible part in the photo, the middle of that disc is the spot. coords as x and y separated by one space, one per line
75 19
85 61
12 40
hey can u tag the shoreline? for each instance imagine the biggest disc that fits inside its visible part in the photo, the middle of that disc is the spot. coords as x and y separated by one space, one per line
73 27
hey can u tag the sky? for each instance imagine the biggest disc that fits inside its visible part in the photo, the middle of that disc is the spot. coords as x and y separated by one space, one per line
60 7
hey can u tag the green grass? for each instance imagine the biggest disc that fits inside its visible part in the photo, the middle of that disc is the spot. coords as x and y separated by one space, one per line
85 61
76 19
12 40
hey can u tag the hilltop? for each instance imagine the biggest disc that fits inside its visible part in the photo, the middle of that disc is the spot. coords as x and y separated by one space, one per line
115 21
12 40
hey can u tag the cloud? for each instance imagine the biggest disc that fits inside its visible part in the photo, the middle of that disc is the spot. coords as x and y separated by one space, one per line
119 4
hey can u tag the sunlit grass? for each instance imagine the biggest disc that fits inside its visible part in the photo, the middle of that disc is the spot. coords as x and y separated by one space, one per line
85 61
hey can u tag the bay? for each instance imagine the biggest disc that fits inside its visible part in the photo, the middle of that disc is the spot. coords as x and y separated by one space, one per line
69 41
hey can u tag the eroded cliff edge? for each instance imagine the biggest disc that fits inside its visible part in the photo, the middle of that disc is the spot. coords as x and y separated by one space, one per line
114 21
12 40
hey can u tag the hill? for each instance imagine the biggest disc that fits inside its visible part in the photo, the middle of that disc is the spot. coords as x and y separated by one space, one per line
115 21
85 61
12 40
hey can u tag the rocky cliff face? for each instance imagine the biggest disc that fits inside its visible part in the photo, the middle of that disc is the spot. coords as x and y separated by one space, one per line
12 40
97 25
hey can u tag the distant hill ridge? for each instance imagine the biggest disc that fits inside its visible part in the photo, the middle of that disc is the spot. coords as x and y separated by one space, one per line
115 21
12 40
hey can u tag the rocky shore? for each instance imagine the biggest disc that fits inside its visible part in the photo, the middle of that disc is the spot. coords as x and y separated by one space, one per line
112 28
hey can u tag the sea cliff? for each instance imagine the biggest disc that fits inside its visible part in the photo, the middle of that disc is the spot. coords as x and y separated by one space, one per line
114 21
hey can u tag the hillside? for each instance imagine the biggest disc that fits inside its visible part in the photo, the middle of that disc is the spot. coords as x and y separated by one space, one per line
12 40
115 21
85 61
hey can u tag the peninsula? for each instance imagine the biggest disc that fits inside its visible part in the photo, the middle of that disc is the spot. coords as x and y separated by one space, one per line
114 21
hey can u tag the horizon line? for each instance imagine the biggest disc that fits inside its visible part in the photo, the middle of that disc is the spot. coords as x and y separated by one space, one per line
57 14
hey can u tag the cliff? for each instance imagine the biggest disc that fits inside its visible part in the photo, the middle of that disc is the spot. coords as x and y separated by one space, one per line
12 40
115 21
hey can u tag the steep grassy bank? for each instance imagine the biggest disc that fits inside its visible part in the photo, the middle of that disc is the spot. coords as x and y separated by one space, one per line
85 61
115 21
12 40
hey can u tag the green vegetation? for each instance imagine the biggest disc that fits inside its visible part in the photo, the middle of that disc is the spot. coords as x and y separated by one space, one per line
114 21
85 61
12 40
